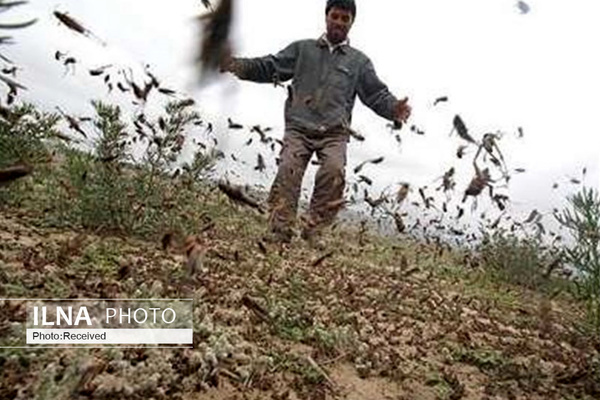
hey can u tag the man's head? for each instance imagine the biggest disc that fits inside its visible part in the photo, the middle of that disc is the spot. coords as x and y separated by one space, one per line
340 16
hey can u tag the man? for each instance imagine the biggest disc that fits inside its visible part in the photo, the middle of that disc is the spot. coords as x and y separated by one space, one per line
327 74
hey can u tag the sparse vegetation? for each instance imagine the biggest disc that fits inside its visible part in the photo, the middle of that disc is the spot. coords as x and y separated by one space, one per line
24 134
26 137
582 220
519 259
105 189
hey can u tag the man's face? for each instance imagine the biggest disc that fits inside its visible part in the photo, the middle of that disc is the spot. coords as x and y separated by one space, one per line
339 22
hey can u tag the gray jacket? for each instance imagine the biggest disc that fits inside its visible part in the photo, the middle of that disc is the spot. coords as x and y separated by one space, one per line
324 84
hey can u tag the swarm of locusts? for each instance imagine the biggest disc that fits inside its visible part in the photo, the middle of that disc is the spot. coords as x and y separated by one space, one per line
489 169
489 146
214 49
9 68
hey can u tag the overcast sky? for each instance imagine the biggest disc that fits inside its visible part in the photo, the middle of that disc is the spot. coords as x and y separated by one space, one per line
501 69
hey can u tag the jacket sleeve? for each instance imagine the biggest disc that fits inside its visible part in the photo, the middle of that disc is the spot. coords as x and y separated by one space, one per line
374 93
272 68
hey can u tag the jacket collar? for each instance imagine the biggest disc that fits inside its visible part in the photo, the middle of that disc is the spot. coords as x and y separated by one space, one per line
324 42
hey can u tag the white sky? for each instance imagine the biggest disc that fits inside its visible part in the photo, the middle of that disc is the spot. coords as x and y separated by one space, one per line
499 68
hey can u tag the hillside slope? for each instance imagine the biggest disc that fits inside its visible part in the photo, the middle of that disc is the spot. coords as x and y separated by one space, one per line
369 318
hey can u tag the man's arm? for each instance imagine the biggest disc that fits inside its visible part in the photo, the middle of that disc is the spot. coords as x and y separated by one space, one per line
376 95
272 68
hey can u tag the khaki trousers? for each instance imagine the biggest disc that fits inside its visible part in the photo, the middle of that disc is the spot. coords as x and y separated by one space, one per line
327 196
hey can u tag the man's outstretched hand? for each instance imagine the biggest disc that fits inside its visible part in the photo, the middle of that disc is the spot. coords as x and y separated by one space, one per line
228 63
402 110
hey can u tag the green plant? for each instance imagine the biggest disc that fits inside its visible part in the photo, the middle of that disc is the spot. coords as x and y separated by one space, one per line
108 190
484 359
112 147
22 135
582 220
521 260
90 190
26 138
167 136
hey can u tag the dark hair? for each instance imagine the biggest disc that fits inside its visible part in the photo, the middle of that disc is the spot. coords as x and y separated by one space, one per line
347 5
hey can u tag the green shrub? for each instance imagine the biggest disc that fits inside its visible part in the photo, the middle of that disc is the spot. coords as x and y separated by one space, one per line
105 188
581 218
25 138
521 260
23 133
